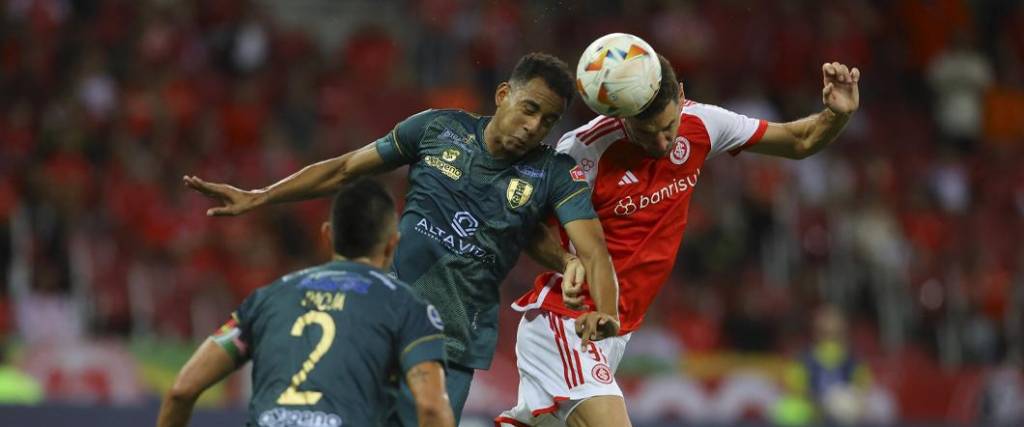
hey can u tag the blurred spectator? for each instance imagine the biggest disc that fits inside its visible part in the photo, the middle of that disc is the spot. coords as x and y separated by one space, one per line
16 387
827 375
959 77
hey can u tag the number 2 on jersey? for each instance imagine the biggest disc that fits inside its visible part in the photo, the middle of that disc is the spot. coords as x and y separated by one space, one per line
291 395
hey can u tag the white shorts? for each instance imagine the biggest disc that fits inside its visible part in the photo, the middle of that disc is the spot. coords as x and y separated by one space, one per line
555 373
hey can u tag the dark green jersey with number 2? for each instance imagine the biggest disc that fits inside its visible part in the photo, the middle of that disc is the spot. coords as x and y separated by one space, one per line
467 217
328 344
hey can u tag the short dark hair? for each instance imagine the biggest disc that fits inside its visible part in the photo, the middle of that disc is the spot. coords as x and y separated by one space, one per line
668 91
554 71
361 217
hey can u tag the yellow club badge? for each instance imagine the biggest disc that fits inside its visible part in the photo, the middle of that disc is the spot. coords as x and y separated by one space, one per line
449 155
518 192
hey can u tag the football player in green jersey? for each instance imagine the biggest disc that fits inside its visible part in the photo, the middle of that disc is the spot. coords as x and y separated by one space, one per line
479 186
327 341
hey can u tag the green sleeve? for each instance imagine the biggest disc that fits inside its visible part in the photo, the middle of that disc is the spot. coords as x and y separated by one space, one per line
570 195
401 145
421 336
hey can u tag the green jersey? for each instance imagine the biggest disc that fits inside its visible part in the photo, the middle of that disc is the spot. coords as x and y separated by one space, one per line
328 343
468 215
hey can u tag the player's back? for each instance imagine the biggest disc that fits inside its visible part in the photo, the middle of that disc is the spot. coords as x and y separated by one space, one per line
328 342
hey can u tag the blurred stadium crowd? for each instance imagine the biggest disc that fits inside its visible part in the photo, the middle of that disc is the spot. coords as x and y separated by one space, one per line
912 222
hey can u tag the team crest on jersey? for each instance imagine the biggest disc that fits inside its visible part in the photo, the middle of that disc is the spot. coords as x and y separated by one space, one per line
450 154
577 174
518 192
681 152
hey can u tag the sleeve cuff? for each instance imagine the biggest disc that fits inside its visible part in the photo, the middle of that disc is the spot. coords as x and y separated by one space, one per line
430 347
762 126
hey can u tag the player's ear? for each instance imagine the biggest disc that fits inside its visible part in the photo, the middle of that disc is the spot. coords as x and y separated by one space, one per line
682 97
504 89
327 233
390 246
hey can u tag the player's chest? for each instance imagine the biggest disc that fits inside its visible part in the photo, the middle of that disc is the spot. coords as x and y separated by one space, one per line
629 182
470 180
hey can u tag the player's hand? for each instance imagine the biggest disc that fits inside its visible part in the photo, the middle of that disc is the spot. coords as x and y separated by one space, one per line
840 94
572 283
236 201
596 326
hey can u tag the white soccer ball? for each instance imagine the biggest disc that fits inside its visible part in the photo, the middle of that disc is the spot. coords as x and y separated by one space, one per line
618 75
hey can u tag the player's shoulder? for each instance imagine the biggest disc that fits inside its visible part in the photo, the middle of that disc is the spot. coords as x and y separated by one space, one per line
705 113
462 117
340 276
591 139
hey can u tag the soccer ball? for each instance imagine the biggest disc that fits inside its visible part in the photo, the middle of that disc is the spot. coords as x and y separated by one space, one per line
618 75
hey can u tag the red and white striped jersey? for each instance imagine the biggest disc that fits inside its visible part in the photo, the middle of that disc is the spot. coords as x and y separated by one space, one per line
642 201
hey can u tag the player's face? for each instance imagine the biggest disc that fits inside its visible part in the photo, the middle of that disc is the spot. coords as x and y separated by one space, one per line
656 134
525 115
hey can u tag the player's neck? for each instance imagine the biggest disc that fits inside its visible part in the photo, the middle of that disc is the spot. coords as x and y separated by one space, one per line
491 143
376 261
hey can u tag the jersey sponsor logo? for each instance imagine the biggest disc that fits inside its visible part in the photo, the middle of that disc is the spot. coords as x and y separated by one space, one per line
602 374
452 136
627 205
628 178
577 174
450 154
454 243
281 417
335 281
448 170
465 224
518 192
529 171
681 152
587 165
435 317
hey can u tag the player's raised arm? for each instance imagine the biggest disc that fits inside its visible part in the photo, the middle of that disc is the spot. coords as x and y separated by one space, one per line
322 178
426 381
210 364
316 180
801 138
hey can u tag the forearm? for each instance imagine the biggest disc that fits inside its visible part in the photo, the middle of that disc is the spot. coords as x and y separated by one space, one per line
175 411
435 416
316 180
817 131
547 251
604 285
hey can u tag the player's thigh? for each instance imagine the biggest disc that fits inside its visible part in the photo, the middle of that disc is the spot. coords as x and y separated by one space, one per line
600 411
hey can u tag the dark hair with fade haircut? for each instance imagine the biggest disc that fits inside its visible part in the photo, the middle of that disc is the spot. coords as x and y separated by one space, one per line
668 91
554 71
362 214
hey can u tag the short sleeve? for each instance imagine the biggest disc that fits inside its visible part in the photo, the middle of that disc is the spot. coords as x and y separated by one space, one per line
729 132
420 335
235 335
401 145
570 193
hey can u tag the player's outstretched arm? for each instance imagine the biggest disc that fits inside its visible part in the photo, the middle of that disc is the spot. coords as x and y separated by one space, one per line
426 380
801 138
316 180
587 237
210 364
